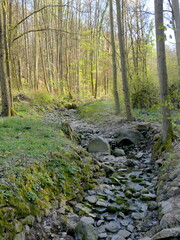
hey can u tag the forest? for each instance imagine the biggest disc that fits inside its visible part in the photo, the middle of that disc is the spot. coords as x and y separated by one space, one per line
89 119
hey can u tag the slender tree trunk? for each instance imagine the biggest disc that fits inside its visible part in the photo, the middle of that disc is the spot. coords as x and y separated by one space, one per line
7 45
6 103
162 71
176 16
115 91
123 62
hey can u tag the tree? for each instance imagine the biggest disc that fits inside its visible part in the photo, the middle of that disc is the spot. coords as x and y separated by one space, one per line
123 62
176 17
167 132
115 91
6 103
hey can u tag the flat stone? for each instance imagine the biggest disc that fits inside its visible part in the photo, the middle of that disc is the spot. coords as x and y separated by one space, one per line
117 237
137 216
145 238
118 152
101 203
167 233
89 220
145 126
112 227
99 223
124 233
98 145
80 207
102 235
91 199
130 228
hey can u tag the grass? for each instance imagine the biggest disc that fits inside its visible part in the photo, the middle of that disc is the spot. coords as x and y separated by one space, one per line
27 140
99 111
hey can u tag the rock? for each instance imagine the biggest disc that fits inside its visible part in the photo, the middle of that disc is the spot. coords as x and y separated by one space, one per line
101 203
103 235
98 145
167 234
88 220
128 137
72 221
18 226
29 220
137 216
80 207
145 238
139 155
85 231
20 236
108 169
118 152
124 233
112 227
130 228
148 197
143 126
91 199
117 237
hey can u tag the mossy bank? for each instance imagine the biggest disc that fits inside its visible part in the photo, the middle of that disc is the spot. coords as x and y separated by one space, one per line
39 168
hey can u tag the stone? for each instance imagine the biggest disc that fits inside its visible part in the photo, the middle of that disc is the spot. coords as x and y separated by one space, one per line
88 220
72 221
145 238
128 137
91 199
85 231
20 236
137 216
143 126
124 233
29 220
99 223
80 207
99 145
101 203
117 237
112 227
118 152
130 228
167 233
18 226
103 235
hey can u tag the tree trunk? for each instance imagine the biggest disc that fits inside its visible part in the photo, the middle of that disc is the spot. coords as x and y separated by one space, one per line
6 103
123 62
167 132
176 16
115 91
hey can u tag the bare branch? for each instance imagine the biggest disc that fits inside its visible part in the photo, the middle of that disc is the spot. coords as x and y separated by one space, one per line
41 30
36 11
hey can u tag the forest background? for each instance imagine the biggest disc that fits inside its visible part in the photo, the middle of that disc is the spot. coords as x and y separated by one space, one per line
63 48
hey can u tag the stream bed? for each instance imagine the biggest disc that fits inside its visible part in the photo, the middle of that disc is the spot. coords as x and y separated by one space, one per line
122 205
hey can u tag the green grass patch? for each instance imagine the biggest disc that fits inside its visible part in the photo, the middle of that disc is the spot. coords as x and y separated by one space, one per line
97 110
23 138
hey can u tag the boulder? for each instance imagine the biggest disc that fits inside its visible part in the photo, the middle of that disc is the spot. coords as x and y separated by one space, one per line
168 233
85 231
99 145
128 137
143 126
